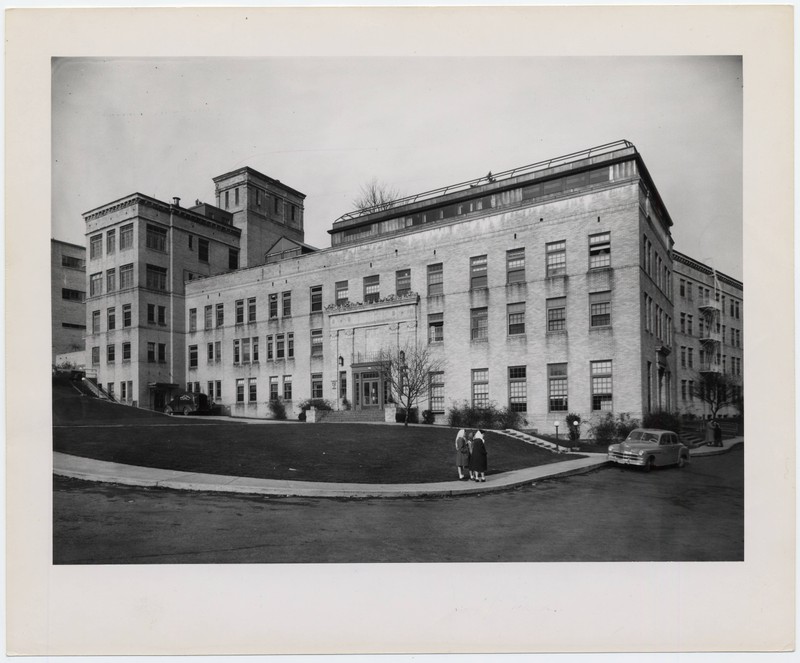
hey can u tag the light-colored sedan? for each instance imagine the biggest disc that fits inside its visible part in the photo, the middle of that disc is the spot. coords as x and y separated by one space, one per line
649 448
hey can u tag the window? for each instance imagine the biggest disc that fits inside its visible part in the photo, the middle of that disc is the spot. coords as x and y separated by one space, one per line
556 314
600 308
557 388
479 323
126 315
316 385
342 293
436 391
478 273
372 286
239 381
111 351
290 345
210 389
110 389
435 279
279 346
236 196
236 351
601 386
73 295
556 258
342 384
202 249
689 325
251 309
96 247
156 278
151 352
126 352
683 390
316 342
287 304
270 355
95 322
245 350
111 318
96 284
599 250
156 238
690 357
516 318
192 319
111 241
287 387
252 388
435 327
96 354
111 280
126 277
77 263
126 237
151 314
208 314
517 388
273 306
275 203
402 280
515 266
273 387
162 315
233 258
240 311
220 315
683 323
209 352
682 292
683 356
255 349
480 387
192 356
316 298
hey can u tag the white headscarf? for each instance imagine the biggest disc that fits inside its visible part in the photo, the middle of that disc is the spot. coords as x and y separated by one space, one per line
478 435
461 434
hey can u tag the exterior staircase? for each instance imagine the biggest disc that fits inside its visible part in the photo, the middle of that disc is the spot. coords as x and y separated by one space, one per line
538 442
350 416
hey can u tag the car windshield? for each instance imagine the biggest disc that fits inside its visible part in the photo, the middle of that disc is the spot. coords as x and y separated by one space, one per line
642 436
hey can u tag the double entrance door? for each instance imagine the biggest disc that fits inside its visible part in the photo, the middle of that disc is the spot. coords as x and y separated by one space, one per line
368 389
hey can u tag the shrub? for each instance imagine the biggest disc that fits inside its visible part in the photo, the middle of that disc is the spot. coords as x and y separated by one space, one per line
508 418
345 404
465 415
665 420
573 426
625 425
319 403
278 409
605 430
400 415
428 417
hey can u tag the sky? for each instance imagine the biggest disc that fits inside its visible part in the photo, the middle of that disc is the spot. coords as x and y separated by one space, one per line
325 126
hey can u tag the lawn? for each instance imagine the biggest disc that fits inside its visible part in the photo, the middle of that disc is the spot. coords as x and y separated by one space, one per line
357 453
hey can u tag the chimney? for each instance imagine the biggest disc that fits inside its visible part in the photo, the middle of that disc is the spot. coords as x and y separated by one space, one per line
176 201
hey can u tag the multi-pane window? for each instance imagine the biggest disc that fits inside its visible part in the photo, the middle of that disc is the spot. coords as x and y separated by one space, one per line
252 390
436 391
111 280
151 352
270 346
600 308
683 390
111 318
342 293
233 258
151 314
126 276
202 249
73 295
96 354
220 315
435 279
435 327
287 387
208 314
557 388
682 293
95 322
251 309
290 345
402 282
209 352
287 304
683 356
127 320
316 342
162 315
690 357
516 318
78 263
556 258
156 277
689 319
126 351
273 306
480 387
280 346
96 247
515 266
111 351
96 284
316 385
240 311
192 356
316 298
372 286
601 385
126 237
237 351
239 381
245 350
273 387
518 388
255 348
192 319
478 277
156 238
556 314
599 250
111 241
479 323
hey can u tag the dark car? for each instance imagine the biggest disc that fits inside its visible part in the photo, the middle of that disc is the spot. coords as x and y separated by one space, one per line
188 402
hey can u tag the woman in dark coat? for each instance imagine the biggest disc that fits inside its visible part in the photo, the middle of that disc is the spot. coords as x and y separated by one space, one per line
462 454
478 459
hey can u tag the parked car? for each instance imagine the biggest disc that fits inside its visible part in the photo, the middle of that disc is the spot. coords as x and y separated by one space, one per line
649 448
188 402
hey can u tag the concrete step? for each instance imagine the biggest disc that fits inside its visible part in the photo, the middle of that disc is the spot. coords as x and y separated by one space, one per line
348 416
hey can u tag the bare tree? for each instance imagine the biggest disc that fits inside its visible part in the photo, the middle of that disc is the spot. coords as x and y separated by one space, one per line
717 390
375 196
407 371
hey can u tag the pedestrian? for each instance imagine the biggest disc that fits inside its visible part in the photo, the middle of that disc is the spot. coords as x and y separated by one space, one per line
710 433
478 458
717 434
462 454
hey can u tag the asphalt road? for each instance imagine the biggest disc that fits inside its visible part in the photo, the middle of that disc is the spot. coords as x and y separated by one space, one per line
615 514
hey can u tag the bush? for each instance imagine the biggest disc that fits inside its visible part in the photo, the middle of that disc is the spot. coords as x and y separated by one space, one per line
609 429
508 418
278 409
573 426
345 404
400 415
319 403
625 425
665 420
428 417
465 415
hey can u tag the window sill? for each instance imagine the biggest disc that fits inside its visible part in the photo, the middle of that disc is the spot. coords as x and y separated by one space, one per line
479 340
600 327
521 336
557 332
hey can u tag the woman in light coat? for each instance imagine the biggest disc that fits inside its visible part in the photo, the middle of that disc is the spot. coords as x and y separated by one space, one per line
462 454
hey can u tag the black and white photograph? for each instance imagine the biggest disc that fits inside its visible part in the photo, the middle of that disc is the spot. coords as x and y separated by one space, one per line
449 314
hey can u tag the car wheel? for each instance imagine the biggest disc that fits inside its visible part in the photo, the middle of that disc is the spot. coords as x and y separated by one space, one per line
682 461
168 410
186 410
650 464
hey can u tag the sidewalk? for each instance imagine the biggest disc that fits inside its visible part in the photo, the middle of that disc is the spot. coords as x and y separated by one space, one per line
88 469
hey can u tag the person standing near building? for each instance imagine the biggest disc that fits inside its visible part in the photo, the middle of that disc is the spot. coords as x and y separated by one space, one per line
462 454
717 434
709 437
478 459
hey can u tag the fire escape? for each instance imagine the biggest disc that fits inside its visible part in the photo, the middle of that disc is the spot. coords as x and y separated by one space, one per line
710 337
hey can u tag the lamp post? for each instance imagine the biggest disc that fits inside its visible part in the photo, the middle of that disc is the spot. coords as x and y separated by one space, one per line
556 430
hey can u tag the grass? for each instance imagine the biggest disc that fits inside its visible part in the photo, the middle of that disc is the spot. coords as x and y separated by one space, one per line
356 453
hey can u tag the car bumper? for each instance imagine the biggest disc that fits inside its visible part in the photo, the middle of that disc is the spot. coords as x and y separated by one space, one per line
627 460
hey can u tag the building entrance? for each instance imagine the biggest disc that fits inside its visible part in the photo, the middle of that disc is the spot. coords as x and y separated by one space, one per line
368 390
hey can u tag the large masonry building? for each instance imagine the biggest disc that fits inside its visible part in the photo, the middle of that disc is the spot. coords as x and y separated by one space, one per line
549 288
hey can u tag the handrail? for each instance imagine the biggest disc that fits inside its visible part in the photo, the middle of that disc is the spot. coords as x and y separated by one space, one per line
490 178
